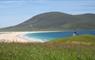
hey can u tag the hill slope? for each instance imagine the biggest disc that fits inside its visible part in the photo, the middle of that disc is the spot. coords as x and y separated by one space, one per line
55 21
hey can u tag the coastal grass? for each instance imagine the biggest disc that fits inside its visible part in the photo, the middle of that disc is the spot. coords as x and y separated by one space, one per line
50 50
79 39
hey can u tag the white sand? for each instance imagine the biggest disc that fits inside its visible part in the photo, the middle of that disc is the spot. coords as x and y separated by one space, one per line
16 37
19 37
11 37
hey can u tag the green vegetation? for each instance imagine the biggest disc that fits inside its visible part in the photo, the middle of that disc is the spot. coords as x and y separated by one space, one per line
51 21
50 50
81 39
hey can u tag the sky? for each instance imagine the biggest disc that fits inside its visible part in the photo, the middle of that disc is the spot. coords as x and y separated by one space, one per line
13 12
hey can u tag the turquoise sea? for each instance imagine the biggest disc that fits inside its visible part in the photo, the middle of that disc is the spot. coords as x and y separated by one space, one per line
54 35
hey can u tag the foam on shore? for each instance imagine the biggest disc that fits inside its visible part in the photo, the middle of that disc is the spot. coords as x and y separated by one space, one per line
20 37
30 39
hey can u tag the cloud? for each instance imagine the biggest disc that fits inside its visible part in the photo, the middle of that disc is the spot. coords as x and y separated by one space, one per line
9 3
64 3
75 4
21 1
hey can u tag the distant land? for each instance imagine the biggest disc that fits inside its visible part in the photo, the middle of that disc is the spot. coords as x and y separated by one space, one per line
55 21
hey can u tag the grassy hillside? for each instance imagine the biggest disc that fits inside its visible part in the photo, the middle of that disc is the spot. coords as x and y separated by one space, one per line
49 50
55 21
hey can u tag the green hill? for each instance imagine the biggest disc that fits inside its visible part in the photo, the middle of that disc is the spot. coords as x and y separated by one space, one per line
55 21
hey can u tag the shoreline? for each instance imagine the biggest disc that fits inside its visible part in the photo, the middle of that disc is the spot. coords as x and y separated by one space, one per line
18 37
11 37
30 39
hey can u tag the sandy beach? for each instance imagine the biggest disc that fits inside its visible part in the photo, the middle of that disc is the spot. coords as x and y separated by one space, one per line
11 37
20 37
16 37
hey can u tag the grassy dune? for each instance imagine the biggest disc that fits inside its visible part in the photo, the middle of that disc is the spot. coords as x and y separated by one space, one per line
81 39
53 50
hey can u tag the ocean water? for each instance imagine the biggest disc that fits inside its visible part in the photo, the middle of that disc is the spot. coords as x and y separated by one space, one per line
54 35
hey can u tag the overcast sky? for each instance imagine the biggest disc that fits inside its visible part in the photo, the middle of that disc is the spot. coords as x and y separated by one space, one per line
13 12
